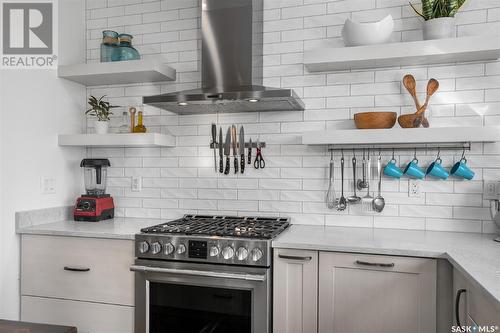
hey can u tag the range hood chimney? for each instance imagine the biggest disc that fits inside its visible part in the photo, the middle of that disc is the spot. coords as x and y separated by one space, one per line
232 72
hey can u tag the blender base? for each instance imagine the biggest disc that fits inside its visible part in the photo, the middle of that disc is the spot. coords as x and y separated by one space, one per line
92 209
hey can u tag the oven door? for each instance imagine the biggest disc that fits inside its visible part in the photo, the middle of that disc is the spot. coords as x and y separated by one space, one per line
201 298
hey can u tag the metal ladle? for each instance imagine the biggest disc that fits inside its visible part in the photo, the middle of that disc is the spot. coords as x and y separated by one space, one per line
361 183
379 201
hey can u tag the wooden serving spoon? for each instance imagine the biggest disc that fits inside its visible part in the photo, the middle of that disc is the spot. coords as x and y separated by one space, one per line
411 86
418 118
432 87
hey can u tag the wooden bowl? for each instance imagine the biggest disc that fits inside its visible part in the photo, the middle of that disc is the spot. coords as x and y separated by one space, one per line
371 120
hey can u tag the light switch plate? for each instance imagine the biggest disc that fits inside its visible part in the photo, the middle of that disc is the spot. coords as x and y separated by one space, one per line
48 185
136 184
413 188
490 190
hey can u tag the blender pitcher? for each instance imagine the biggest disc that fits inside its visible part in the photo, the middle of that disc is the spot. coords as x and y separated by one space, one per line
95 173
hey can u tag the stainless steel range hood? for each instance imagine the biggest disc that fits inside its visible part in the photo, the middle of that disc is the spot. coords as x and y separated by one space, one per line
232 43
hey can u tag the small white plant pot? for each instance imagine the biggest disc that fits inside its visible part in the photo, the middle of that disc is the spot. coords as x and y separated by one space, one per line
439 28
102 127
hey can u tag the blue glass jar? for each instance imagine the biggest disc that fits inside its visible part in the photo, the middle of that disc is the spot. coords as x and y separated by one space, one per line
109 45
125 49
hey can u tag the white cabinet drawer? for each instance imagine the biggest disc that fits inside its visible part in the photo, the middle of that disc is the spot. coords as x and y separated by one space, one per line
85 316
108 279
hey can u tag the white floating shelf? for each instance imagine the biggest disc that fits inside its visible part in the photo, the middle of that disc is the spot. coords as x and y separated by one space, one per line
433 135
462 49
118 72
139 140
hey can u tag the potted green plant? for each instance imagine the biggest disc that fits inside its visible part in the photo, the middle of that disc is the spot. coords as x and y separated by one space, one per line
439 16
101 110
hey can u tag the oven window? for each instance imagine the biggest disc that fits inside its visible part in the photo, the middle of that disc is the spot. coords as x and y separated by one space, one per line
194 309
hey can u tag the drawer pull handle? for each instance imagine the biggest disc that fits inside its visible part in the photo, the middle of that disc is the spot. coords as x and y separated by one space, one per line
76 269
282 256
374 264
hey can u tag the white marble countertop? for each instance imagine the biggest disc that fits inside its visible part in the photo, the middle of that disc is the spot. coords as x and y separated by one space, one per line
477 256
118 228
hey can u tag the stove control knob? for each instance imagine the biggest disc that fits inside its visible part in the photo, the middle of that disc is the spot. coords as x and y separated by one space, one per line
143 247
256 254
242 253
155 248
181 249
214 251
228 252
169 248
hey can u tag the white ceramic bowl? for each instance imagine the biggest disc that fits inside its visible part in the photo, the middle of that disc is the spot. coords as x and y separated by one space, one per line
357 34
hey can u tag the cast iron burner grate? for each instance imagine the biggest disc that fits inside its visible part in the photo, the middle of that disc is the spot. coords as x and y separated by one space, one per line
224 226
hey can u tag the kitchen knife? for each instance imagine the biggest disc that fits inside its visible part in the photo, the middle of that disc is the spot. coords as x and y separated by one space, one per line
227 150
214 142
250 152
242 149
221 158
235 145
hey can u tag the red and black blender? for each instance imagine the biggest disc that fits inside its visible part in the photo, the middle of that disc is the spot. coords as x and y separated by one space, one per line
95 205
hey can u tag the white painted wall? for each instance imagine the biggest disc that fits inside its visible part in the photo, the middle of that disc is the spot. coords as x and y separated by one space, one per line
35 107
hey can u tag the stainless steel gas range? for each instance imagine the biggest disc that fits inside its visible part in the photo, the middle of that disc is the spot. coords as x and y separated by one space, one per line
205 274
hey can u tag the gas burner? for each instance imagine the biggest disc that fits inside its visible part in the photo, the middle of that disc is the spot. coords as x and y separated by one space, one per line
223 226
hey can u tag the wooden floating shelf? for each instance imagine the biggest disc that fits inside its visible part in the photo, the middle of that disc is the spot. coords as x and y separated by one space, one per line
139 140
399 136
118 72
452 50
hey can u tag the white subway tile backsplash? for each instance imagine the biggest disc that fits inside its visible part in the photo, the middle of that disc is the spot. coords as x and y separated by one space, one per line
151 213
160 203
302 11
453 225
391 222
181 180
282 206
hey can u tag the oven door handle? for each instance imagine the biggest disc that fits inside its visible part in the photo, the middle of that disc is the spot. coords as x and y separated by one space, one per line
235 276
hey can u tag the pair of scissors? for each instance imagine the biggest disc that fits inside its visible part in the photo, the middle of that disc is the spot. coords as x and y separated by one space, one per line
259 162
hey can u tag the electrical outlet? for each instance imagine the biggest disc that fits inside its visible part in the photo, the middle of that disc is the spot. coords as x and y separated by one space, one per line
136 183
413 188
490 190
47 185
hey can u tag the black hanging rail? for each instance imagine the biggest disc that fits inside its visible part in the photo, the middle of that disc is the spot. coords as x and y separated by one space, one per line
247 145
466 146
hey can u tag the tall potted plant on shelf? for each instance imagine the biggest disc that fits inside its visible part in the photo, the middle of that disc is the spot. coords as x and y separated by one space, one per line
439 16
101 110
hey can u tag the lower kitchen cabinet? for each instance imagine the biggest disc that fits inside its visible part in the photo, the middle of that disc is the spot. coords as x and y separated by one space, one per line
472 305
87 317
74 281
295 288
376 294
331 292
